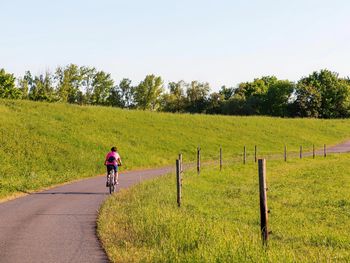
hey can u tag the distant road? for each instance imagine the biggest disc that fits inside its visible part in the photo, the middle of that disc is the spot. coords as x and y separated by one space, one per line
340 148
59 225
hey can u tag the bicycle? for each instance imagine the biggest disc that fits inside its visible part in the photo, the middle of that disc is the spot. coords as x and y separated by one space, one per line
111 181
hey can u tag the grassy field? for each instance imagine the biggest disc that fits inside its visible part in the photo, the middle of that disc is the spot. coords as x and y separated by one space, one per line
44 144
219 218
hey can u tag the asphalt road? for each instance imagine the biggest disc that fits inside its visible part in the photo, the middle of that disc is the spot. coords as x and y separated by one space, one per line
340 148
59 225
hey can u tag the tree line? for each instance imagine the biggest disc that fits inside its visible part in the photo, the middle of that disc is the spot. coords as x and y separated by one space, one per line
322 94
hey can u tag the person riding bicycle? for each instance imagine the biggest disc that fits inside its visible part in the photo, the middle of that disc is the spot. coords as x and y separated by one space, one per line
112 162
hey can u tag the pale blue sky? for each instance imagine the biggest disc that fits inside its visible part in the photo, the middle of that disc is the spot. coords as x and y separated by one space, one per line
222 42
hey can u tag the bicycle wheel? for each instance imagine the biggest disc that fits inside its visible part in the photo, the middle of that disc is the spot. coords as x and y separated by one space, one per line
111 182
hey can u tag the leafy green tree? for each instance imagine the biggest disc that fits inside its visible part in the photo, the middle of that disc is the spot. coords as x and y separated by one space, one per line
114 99
41 88
127 93
197 96
227 93
253 94
69 81
122 95
323 94
234 106
102 87
148 93
278 98
257 87
175 100
308 102
24 84
215 101
266 95
7 86
87 76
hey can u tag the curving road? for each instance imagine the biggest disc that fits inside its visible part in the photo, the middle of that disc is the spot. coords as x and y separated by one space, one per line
59 225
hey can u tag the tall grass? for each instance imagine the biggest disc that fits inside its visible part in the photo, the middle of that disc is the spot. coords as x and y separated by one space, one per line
219 217
42 144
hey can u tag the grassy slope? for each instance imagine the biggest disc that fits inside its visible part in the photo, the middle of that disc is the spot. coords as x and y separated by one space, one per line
219 219
43 144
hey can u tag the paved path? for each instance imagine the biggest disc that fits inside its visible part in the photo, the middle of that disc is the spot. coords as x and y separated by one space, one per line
59 225
340 148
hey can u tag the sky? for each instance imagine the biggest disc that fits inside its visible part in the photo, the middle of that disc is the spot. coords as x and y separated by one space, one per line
220 42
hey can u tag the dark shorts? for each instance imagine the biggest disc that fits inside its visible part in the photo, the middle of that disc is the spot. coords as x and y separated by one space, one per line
112 167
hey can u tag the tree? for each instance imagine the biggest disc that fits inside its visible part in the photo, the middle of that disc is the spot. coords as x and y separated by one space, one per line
127 93
175 100
253 94
215 102
24 84
266 95
277 98
114 98
323 94
257 87
41 88
69 81
147 93
87 76
7 86
102 87
197 96
308 102
227 93
122 95
234 106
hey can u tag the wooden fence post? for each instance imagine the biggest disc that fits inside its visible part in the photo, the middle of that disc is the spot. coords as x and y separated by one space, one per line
198 160
180 159
244 155
285 153
313 151
178 182
301 152
220 158
255 154
263 200
324 151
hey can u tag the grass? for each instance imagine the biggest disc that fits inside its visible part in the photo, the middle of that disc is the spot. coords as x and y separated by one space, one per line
44 144
219 217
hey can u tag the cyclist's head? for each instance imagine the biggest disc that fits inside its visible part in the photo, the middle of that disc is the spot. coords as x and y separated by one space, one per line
114 149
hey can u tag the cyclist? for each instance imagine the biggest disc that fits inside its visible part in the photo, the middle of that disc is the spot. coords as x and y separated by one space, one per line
112 161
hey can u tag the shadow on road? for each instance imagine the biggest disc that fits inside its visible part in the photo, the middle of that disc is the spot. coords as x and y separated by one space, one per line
67 214
70 193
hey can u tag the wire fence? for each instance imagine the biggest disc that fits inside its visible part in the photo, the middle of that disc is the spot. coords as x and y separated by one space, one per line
260 158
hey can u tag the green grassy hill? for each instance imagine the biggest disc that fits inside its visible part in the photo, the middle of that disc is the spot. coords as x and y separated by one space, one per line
43 144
